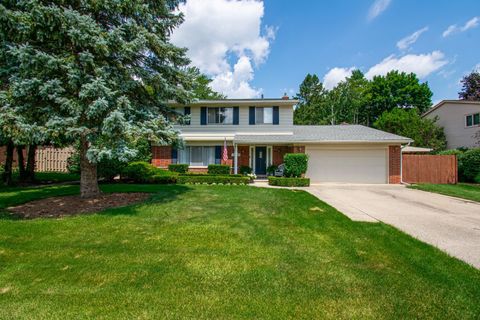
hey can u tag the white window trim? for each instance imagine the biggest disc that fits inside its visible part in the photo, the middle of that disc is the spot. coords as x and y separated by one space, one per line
263 123
473 117
220 124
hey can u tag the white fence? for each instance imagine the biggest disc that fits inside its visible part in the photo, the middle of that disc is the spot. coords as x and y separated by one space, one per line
52 159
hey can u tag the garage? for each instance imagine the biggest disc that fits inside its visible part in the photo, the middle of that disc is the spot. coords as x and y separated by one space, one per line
347 165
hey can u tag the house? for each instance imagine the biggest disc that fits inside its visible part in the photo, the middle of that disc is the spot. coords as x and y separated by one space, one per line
259 132
460 120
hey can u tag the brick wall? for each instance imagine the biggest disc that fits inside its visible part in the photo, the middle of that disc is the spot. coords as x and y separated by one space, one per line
161 156
394 163
299 149
279 152
243 156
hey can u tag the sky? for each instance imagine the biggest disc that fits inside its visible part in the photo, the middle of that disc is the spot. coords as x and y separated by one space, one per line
253 47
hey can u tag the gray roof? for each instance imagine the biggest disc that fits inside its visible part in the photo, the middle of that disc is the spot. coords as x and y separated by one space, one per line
335 133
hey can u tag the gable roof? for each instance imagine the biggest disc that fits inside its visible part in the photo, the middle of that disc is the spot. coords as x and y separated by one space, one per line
325 134
443 102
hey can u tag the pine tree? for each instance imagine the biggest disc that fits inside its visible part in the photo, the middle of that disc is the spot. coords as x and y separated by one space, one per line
97 72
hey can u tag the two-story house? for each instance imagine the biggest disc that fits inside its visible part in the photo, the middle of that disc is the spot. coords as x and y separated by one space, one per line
260 131
460 120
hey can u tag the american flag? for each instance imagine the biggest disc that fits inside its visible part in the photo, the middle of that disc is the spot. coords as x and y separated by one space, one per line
225 151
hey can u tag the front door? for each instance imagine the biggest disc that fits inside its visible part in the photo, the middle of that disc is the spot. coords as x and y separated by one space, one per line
261 160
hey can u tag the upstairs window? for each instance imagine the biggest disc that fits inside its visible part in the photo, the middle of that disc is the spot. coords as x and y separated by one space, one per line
472 120
220 115
264 115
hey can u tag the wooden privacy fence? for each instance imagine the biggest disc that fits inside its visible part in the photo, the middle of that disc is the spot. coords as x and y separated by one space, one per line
429 169
52 159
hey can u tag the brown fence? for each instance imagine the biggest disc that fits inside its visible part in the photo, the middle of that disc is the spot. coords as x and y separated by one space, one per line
52 159
429 169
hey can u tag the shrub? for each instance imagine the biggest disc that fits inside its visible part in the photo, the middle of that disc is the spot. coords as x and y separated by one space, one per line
201 174
218 169
456 152
180 168
295 164
211 179
245 170
288 182
144 172
271 169
2 171
470 164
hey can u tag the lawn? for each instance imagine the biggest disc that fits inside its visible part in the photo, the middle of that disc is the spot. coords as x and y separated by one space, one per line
222 252
461 190
47 178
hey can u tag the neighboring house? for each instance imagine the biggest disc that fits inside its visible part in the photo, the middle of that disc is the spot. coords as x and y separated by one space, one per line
460 120
260 132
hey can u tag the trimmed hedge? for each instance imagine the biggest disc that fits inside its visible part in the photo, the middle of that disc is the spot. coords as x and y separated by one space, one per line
144 172
288 182
218 169
245 170
470 164
295 164
201 174
211 179
180 168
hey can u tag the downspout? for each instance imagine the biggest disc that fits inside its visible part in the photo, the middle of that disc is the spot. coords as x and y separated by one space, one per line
401 162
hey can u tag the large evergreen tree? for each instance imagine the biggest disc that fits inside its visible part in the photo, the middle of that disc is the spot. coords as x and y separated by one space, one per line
201 87
313 107
100 72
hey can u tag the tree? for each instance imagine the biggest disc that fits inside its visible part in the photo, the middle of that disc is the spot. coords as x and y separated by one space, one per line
396 90
201 87
348 99
470 87
313 106
101 71
408 123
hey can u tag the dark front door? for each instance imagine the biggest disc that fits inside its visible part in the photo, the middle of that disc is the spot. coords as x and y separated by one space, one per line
260 160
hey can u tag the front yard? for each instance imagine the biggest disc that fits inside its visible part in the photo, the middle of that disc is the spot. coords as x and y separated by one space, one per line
222 252
461 190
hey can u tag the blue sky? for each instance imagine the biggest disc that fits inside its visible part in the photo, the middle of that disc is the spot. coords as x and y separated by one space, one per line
254 47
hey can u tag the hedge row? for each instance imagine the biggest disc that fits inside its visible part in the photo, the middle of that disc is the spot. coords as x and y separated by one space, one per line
211 179
288 182
180 168
218 169
144 172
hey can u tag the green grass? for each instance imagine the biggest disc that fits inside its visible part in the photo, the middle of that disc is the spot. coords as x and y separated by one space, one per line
47 177
223 252
461 190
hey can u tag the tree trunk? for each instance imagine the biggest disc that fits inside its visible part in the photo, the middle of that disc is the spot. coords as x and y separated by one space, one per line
7 176
88 173
30 169
21 164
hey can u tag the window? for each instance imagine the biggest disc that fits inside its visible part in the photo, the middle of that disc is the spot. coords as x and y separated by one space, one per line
220 115
472 120
264 115
197 156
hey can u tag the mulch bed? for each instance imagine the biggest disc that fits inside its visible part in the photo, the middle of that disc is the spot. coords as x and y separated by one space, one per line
72 205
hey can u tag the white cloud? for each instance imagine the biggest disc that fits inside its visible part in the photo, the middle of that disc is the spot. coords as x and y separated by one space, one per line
420 64
219 31
335 76
470 24
406 42
377 8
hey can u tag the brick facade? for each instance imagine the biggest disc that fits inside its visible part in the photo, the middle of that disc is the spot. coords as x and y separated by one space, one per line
279 152
161 156
243 156
299 149
394 164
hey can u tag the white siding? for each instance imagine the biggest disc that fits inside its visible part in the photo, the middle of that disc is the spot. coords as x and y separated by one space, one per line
285 122
451 116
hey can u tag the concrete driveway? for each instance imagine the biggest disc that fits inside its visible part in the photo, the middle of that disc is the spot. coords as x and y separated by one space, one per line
450 224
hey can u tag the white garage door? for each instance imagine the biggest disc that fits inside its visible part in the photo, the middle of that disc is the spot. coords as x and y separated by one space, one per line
358 165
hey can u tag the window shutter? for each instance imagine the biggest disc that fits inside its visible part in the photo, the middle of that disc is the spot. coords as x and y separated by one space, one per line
276 115
235 115
174 155
203 116
187 112
218 154
251 115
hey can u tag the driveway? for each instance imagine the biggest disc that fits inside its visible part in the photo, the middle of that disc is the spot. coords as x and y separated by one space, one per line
450 224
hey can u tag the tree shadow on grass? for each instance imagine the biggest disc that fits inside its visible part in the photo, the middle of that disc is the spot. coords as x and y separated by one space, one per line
164 194
159 193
